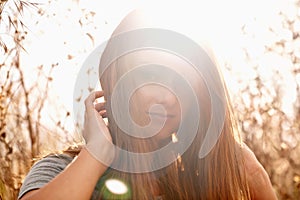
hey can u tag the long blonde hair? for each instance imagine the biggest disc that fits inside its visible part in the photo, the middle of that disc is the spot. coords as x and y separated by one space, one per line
219 175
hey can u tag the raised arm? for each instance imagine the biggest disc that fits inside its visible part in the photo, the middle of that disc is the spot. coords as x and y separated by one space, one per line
78 180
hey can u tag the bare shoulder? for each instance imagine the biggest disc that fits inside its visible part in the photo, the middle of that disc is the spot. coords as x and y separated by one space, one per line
259 182
251 163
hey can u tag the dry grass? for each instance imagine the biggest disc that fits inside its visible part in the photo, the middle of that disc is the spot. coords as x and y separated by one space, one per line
264 125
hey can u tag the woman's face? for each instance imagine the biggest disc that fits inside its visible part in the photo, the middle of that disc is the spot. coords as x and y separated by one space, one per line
154 103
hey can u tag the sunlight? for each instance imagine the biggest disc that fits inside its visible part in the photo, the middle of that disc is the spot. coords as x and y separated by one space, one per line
256 44
69 30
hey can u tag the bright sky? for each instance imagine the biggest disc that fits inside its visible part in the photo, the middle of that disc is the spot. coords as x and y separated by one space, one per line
69 30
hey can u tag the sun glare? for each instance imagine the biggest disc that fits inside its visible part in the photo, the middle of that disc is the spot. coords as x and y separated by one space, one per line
69 30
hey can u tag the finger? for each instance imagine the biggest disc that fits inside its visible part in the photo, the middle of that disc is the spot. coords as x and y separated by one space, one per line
100 106
91 98
103 113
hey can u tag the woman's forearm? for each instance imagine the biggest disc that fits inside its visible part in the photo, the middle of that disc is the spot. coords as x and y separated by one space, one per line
77 181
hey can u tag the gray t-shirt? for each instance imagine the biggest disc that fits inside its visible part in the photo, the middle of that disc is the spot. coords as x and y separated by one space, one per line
45 170
49 167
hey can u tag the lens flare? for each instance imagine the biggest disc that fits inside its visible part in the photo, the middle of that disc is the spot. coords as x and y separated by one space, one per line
116 186
175 44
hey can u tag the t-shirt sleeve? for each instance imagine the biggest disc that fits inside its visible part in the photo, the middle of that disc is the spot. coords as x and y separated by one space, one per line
44 171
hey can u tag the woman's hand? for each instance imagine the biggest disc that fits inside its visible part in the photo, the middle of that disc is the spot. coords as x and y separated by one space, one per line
96 134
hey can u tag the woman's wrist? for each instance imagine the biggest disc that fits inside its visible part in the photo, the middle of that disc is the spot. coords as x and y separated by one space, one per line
88 158
101 150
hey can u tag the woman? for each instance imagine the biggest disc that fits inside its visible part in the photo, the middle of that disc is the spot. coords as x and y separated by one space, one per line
170 134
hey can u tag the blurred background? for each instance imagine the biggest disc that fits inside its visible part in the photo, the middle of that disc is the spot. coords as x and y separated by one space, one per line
43 45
